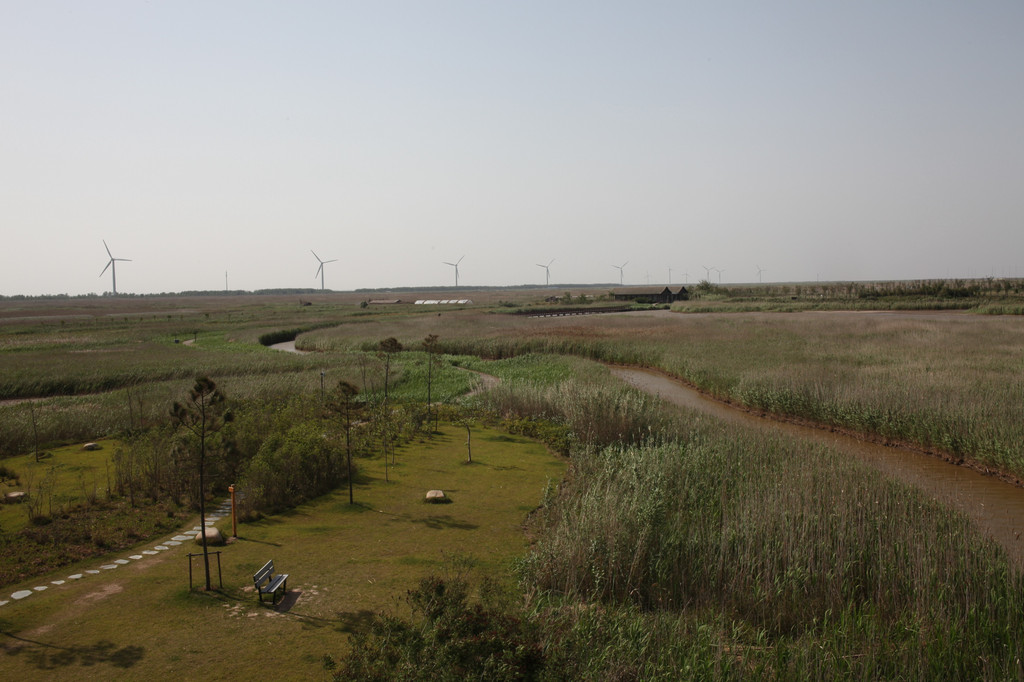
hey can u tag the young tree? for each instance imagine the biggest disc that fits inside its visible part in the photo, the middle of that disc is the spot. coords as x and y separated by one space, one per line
202 415
35 431
388 347
430 345
343 402
466 420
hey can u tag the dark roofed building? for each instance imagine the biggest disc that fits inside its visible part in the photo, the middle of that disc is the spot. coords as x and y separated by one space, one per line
662 294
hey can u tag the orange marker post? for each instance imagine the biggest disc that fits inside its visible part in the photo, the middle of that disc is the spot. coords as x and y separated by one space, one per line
234 521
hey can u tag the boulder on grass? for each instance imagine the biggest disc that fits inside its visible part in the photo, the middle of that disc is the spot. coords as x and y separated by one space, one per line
14 497
213 537
92 446
437 497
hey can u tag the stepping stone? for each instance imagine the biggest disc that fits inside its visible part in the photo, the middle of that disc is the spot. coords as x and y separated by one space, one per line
107 567
76 576
4 602
92 571
197 528
149 552
121 561
21 594
40 588
161 548
190 533
135 556
172 543
181 538
57 582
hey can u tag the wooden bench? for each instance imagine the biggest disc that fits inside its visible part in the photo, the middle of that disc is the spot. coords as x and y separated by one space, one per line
273 582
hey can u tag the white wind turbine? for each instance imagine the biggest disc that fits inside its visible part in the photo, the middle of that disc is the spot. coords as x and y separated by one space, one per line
320 270
456 266
113 268
547 272
620 269
760 271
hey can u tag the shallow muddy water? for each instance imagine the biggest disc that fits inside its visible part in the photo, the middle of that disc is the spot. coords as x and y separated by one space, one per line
995 507
288 347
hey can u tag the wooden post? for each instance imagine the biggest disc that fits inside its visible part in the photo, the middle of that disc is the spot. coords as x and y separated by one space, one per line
234 518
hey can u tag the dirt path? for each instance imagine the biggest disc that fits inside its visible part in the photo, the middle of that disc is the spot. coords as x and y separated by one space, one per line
487 382
996 507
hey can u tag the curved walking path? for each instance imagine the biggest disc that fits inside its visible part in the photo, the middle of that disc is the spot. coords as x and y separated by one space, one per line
222 510
995 507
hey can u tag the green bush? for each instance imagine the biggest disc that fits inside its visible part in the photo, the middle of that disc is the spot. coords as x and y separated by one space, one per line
292 467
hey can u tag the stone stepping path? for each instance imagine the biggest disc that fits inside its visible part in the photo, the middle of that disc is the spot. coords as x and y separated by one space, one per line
216 515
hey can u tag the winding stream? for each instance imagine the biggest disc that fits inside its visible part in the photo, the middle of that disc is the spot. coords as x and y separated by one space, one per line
995 507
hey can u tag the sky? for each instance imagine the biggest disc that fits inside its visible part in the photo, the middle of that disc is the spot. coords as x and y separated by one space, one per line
735 141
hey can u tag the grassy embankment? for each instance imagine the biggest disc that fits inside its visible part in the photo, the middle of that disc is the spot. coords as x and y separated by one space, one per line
989 296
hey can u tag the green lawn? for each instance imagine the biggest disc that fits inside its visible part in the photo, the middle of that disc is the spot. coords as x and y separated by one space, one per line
346 564
63 477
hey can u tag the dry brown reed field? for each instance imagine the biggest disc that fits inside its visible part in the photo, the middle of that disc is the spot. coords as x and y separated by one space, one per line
946 381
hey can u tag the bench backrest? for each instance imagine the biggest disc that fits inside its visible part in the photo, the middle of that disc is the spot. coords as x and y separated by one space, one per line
265 573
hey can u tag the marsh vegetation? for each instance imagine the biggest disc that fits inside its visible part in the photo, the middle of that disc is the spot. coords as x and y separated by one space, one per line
675 544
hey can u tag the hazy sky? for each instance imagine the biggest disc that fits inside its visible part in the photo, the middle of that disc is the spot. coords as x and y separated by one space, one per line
817 140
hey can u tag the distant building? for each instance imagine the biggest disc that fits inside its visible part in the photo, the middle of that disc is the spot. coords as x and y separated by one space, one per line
662 294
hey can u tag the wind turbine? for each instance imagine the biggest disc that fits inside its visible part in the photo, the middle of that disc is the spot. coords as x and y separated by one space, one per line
547 272
456 266
759 271
113 268
619 268
320 270
719 271
707 272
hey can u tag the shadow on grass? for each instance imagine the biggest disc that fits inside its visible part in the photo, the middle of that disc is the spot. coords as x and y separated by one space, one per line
446 521
45 656
494 467
354 621
242 538
286 606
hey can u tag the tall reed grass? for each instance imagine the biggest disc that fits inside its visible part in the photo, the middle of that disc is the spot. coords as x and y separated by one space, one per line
945 381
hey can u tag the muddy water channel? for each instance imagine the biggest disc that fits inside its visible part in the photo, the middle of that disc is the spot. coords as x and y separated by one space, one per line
288 347
995 507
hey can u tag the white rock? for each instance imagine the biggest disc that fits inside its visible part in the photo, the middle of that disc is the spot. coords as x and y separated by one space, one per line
213 537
